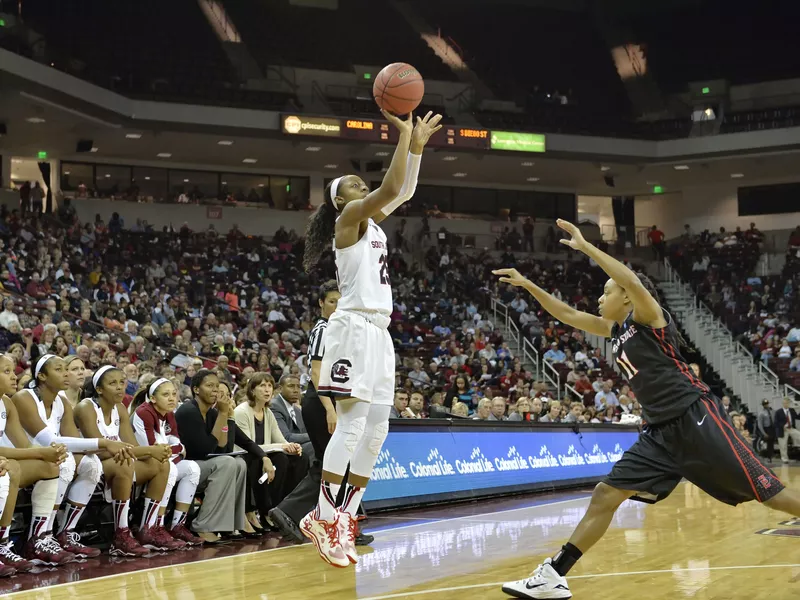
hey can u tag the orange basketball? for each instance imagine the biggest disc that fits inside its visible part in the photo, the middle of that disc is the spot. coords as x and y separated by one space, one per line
398 88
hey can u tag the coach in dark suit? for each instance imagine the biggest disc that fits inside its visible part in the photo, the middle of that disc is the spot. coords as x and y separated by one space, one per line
288 415
786 428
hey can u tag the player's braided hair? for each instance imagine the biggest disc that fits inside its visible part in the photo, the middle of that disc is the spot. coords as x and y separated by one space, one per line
651 287
320 231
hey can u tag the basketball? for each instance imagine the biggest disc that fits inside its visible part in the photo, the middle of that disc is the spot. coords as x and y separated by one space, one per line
398 88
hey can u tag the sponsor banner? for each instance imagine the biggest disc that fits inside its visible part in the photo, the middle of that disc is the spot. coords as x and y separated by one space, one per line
517 141
297 125
422 466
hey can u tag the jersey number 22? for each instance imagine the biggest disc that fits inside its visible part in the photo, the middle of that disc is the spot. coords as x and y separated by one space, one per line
384 262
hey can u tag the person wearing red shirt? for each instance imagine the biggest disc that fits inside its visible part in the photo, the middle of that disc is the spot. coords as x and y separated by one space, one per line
656 237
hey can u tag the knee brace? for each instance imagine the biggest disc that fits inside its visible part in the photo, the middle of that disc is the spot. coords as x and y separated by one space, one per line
173 475
5 483
90 469
379 434
353 433
192 472
66 470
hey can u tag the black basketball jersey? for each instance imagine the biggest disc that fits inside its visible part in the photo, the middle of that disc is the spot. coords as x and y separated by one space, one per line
650 360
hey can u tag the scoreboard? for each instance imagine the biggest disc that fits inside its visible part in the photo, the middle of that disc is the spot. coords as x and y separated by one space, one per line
376 131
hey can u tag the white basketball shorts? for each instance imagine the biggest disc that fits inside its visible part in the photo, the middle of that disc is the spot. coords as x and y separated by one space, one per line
358 360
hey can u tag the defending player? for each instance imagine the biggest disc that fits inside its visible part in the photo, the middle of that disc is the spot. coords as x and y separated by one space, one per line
687 433
358 365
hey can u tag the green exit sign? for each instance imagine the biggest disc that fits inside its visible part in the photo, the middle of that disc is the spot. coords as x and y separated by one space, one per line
2 22
42 155
706 90
657 189
367 75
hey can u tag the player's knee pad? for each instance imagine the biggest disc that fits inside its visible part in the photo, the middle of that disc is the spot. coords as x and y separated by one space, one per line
192 472
66 470
379 435
353 433
173 475
90 468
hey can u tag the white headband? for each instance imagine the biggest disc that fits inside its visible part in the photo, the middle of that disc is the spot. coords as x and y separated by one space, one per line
154 386
335 190
38 368
96 377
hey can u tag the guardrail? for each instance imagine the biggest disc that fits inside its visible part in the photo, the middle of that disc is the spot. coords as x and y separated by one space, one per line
733 361
524 347
554 379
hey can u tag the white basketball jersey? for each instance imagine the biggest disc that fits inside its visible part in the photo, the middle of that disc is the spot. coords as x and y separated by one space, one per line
3 421
53 422
108 431
362 271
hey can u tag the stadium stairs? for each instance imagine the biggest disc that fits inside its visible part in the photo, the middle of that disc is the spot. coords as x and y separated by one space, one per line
750 381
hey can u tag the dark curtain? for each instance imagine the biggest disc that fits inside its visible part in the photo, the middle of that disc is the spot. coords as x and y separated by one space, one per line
44 169
624 218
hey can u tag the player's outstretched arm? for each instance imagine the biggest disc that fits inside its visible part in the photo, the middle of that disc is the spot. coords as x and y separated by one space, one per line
360 210
646 309
422 133
560 310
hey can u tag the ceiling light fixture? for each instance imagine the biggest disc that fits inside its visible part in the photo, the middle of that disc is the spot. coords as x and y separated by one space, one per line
66 172
382 153
527 163
681 167
331 166
107 175
737 175
225 143
164 155
94 149
449 158
147 178
605 168
459 174
185 181
532 179
133 136
35 120
313 149
250 161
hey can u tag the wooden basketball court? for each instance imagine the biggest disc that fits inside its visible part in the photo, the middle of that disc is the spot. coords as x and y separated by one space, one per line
689 546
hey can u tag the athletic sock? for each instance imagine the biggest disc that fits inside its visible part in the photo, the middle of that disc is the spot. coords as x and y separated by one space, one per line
566 559
5 532
352 499
326 506
150 512
121 513
177 518
70 518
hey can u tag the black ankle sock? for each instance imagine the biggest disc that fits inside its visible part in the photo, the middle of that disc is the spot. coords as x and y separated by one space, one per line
566 559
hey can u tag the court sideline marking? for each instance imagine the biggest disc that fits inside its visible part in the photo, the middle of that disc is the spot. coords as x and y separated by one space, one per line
248 554
499 584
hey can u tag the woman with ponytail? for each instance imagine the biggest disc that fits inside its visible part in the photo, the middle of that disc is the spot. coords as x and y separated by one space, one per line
102 415
358 365
154 423
47 419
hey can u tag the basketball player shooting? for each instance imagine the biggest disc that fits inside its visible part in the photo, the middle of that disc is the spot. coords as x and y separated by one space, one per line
687 433
358 367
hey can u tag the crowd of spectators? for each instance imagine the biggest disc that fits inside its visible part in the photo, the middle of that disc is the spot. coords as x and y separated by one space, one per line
178 304
762 312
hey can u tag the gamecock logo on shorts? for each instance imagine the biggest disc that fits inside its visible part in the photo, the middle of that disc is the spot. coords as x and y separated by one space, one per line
340 371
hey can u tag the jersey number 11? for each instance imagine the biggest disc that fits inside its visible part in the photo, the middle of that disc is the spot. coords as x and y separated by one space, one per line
625 364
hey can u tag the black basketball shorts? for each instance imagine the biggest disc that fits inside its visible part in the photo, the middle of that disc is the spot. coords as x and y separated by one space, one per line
702 446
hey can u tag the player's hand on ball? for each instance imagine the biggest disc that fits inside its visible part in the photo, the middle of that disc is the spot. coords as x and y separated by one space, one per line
424 129
511 276
404 127
577 241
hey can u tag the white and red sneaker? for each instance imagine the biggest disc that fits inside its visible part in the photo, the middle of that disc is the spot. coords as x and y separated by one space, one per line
325 536
348 530
71 542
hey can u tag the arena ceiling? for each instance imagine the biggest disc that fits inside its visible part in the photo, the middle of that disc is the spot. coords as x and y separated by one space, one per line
37 120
